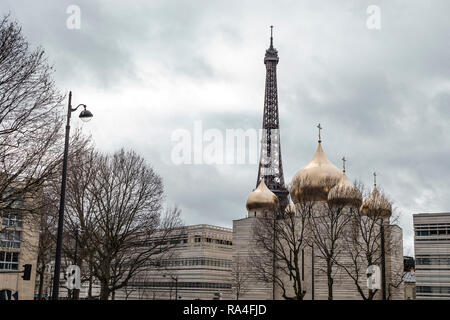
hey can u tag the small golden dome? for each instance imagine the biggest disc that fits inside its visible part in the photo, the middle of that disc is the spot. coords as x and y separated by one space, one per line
315 180
345 193
262 198
376 205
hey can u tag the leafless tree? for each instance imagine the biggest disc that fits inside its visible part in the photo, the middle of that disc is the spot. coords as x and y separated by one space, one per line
48 223
30 119
362 248
240 276
280 238
327 224
117 201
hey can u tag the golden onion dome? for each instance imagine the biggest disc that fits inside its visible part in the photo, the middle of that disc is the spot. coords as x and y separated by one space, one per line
262 198
315 180
345 193
376 205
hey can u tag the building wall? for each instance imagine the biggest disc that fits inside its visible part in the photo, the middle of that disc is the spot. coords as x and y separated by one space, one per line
344 287
26 249
313 266
432 253
199 268
244 247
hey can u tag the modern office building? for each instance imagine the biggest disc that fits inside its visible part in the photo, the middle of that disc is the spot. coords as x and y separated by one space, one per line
432 253
199 268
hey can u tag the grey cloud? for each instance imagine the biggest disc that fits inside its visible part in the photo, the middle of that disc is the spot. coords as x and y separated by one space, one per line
382 96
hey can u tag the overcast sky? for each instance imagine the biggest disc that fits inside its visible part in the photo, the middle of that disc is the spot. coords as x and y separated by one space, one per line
147 68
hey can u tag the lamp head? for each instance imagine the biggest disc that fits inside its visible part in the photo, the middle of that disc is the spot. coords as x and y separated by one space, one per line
86 115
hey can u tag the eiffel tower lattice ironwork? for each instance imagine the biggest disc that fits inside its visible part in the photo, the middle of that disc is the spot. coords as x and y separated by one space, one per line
270 165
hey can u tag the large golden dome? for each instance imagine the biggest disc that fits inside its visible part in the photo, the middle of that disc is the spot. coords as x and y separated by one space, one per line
315 180
345 193
262 198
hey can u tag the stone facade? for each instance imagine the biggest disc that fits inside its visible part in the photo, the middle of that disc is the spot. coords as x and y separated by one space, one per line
19 240
313 267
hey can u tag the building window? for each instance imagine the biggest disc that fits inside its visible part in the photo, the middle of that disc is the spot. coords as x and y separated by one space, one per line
5 295
12 219
9 260
10 239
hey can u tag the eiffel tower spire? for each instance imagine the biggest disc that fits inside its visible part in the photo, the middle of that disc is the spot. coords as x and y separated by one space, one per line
270 165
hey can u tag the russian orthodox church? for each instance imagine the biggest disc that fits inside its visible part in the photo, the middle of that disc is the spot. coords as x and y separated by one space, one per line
321 184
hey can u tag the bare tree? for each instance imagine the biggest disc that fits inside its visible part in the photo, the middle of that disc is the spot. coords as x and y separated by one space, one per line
240 276
327 224
117 201
30 121
280 238
48 222
362 248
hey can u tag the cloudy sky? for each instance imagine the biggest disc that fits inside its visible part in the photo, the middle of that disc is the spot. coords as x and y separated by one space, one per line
148 68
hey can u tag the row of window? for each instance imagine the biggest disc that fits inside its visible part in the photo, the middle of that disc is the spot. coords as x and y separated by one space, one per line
164 243
432 239
193 262
197 239
182 284
433 232
433 261
429 289
13 196
211 240
9 260
10 239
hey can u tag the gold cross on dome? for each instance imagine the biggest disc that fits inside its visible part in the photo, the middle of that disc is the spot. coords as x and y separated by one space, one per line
320 128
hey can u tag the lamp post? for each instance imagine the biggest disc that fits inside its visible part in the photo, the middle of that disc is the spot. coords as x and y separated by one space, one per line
85 115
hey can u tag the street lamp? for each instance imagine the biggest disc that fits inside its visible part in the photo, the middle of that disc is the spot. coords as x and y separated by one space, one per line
85 115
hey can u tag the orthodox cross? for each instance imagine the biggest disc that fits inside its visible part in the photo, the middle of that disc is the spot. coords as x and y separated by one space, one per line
320 128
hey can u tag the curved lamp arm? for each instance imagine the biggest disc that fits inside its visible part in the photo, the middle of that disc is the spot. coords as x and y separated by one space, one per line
75 109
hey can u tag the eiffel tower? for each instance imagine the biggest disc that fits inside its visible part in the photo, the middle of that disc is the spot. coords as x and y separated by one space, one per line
270 165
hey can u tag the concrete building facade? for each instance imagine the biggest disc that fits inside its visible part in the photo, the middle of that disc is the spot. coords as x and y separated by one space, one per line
199 268
19 240
432 253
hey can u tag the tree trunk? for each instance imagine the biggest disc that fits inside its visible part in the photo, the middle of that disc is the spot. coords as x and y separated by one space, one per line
41 284
104 290
330 280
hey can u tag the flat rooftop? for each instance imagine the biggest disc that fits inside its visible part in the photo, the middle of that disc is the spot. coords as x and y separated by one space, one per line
431 214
